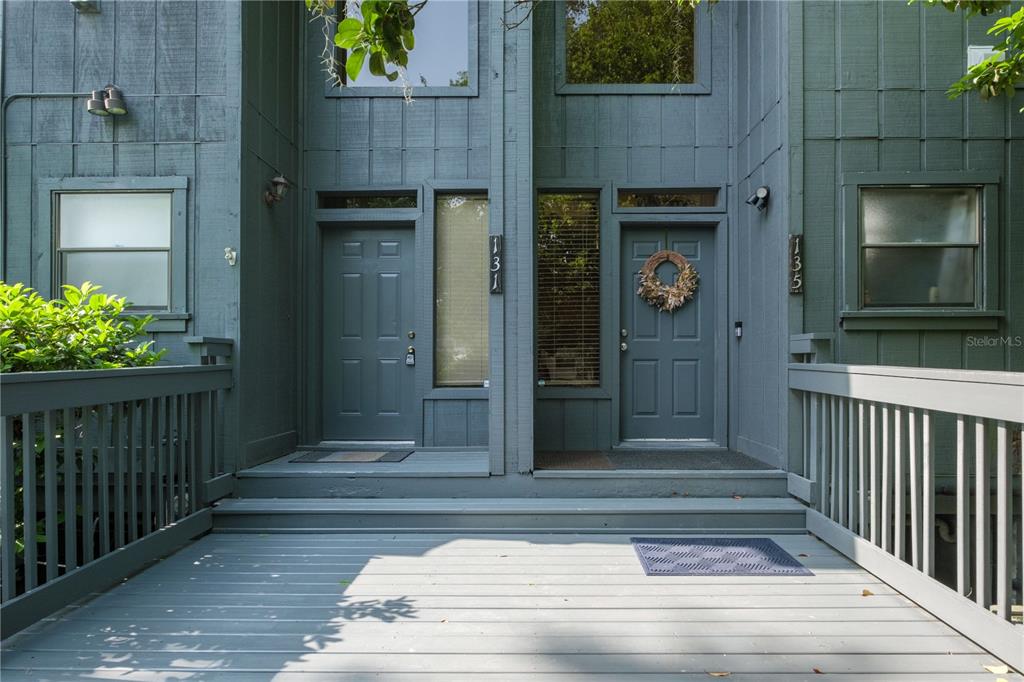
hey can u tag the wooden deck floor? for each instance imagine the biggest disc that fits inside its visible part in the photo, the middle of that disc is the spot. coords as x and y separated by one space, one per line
502 607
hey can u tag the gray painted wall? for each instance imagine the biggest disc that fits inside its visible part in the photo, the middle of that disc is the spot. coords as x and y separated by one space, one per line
759 238
268 258
873 99
592 141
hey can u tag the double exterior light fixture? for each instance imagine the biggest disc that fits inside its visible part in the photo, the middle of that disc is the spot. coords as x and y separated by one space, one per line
106 102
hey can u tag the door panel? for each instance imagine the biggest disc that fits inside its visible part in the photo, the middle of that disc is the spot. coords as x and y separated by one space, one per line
668 368
368 311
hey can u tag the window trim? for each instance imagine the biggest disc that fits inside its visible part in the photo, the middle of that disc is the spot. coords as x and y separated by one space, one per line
983 315
175 318
701 84
472 65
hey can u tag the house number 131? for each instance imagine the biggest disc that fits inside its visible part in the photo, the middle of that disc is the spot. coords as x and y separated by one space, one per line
496 263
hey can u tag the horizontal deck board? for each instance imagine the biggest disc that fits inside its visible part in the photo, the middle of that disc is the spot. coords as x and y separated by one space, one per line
318 607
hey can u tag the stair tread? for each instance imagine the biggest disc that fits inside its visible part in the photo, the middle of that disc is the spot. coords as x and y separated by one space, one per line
723 505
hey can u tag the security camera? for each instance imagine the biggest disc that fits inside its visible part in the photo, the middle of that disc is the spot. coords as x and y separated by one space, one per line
759 199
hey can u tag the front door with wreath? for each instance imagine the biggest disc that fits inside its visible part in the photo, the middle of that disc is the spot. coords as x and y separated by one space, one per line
667 336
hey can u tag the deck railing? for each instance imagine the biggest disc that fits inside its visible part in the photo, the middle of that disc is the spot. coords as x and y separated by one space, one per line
907 459
94 463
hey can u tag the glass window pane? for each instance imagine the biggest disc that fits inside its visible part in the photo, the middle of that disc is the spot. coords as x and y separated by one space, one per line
683 198
568 290
601 44
379 200
460 291
115 220
919 276
441 54
139 276
919 214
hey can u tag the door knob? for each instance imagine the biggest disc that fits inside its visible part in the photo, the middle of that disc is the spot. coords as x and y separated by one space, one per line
623 346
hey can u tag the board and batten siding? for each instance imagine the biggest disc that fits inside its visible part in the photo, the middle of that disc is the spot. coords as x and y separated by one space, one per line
266 352
595 140
451 143
873 99
758 238
178 63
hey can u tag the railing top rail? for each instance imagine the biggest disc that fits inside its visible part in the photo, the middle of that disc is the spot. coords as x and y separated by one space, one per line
37 391
977 393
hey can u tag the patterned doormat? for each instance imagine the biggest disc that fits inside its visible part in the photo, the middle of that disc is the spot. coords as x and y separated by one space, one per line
715 556
352 456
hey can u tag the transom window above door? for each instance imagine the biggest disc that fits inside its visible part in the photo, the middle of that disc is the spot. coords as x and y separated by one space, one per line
631 46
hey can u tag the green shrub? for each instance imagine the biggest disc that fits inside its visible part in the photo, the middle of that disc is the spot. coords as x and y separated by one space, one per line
84 330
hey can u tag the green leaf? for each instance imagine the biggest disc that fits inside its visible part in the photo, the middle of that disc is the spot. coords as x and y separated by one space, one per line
348 33
354 63
377 63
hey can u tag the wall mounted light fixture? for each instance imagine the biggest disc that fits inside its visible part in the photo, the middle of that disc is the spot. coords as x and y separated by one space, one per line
277 189
94 105
107 101
759 199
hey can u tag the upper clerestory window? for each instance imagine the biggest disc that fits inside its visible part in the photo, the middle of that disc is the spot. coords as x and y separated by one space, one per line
443 62
631 46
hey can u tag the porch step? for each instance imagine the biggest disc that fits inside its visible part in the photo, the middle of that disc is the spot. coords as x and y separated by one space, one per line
574 515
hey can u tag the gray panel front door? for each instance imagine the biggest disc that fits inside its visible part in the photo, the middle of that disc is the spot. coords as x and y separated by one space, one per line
668 367
368 388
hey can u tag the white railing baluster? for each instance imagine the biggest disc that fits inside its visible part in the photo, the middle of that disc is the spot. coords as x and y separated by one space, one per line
1003 521
898 491
862 471
815 442
963 510
28 493
886 519
915 489
805 433
927 495
981 514
851 465
839 510
833 457
875 476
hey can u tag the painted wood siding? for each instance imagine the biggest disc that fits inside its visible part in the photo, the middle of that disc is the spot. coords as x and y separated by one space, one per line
758 245
173 59
873 99
267 347
384 142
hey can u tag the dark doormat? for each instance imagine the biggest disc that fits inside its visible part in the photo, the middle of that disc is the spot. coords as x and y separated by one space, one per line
715 556
353 456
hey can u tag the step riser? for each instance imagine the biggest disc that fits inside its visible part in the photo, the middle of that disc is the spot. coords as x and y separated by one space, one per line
757 522
505 486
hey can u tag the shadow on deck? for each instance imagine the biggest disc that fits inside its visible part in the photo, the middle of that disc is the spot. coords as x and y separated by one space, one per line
458 606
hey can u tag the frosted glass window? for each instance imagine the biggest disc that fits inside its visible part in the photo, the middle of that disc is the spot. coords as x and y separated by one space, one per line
920 214
460 291
118 240
919 246
141 277
115 220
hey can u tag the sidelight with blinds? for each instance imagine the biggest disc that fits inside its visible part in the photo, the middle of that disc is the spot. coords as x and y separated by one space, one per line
568 289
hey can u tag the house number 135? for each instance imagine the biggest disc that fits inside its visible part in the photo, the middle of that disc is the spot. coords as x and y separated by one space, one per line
496 263
796 263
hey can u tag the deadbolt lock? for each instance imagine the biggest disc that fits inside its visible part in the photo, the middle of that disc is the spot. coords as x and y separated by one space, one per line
624 333
411 334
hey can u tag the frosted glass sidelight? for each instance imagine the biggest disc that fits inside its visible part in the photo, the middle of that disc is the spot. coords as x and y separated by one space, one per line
925 215
93 220
916 276
139 276
461 291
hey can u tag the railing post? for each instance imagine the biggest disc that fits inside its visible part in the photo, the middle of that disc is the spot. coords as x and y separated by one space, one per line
7 466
